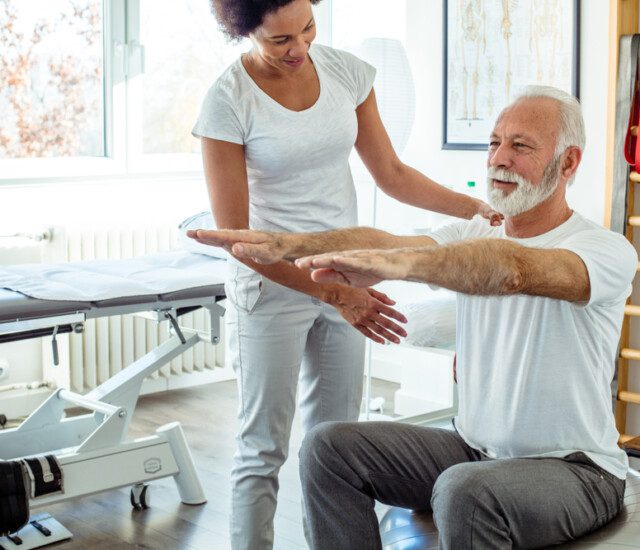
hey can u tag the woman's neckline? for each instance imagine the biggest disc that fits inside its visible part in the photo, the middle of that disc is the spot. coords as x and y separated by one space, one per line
274 101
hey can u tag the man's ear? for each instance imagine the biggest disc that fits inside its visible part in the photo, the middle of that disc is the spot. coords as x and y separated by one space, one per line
571 161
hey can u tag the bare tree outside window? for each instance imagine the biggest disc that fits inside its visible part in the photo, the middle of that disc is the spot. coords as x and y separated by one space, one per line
51 78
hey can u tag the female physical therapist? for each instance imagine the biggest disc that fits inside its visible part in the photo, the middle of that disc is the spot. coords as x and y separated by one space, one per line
277 128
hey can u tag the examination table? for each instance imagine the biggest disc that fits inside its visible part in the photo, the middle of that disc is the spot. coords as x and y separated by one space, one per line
92 450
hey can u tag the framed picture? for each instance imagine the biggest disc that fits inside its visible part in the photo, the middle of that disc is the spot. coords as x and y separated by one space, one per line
492 49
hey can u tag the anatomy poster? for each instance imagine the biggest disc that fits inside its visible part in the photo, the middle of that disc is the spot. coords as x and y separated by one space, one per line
493 48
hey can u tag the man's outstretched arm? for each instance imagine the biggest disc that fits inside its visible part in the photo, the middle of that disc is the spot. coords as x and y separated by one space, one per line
482 267
267 247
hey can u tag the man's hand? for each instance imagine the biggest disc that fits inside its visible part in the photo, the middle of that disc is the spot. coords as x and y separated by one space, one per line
486 211
358 268
368 311
262 247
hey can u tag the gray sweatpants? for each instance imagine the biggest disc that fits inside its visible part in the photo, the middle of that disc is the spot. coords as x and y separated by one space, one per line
477 502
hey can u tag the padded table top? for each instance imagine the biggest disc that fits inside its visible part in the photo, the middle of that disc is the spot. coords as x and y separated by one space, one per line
98 288
15 306
112 279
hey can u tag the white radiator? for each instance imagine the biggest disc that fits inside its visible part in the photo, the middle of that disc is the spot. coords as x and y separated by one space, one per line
20 250
109 344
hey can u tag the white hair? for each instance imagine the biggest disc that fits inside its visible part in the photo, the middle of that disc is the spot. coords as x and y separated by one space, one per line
571 133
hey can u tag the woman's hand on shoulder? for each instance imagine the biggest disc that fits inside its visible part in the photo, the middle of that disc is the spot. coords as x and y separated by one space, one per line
369 311
486 211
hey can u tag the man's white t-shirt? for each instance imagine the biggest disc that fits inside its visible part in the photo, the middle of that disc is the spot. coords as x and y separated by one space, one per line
534 373
297 162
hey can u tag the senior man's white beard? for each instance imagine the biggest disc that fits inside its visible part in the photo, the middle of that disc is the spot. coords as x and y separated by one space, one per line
526 195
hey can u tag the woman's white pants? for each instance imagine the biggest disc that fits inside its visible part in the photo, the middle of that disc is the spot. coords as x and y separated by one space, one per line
278 336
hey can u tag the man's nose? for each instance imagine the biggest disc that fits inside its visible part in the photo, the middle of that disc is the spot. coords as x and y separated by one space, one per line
500 157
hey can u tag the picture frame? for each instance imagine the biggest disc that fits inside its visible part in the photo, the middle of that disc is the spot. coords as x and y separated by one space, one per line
492 48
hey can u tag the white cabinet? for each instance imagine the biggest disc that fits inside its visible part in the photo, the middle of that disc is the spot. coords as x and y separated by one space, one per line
425 374
426 380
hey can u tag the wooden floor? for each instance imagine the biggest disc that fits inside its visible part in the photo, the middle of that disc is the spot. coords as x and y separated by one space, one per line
208 417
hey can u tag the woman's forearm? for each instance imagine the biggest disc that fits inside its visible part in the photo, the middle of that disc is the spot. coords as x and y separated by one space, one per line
412 187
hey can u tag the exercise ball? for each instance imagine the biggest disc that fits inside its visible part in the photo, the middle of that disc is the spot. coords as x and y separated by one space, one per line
402 529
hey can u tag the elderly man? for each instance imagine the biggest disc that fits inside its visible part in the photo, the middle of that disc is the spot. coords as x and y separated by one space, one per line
534 459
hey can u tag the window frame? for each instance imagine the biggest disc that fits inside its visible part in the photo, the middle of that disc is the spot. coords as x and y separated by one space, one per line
25 170
139 162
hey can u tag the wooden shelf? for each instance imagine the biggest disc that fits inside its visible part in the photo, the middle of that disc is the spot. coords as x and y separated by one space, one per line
623 20
630 353
629 397
632 310
633 443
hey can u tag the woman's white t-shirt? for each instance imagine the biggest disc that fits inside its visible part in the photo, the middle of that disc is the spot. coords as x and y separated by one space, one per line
297 162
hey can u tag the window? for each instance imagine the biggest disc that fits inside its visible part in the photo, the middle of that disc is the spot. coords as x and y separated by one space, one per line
51 79
104 88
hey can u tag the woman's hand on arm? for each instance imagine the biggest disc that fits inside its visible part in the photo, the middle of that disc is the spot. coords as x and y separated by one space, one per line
404 183
486 211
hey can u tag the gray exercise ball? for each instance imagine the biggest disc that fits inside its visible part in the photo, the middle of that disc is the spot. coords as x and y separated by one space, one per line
403 529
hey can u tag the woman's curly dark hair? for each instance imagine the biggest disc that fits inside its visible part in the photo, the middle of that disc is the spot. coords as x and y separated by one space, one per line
238 18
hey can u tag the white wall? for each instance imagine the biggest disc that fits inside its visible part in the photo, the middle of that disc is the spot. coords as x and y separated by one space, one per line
152 200
587 193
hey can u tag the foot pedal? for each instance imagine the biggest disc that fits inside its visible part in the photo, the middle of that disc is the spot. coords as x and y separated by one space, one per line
41 530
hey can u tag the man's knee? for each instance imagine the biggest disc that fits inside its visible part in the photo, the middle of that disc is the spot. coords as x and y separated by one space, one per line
322 445
314 444
458 491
